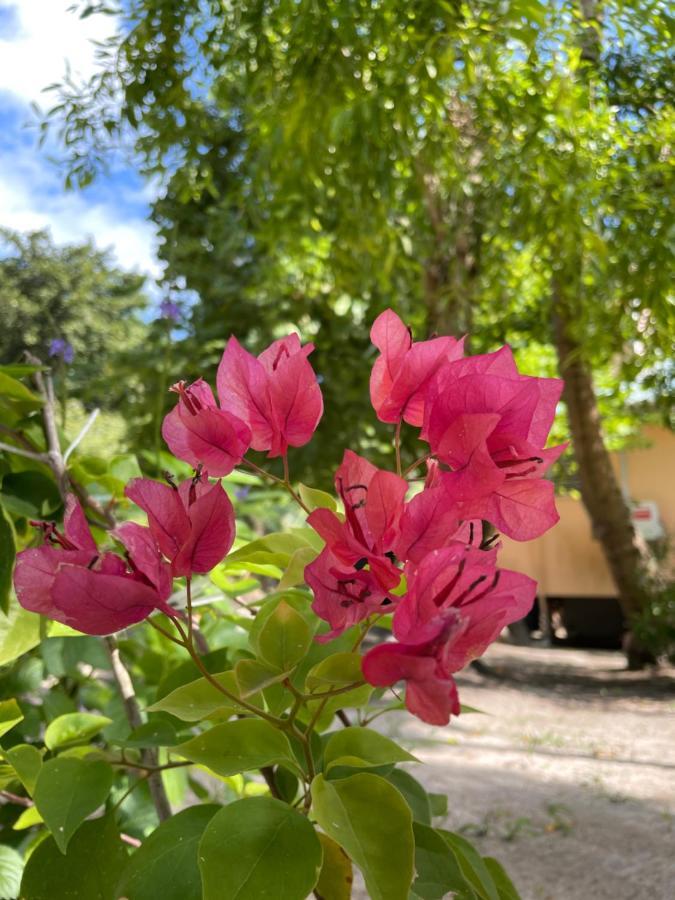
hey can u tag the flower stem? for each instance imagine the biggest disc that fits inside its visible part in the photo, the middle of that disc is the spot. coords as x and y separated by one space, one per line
233 698
397 445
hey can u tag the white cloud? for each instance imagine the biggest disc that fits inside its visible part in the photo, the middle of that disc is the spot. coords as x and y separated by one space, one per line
29 200
34 46
33 54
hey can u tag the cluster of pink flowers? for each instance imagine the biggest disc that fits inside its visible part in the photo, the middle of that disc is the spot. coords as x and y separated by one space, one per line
486 426
424 559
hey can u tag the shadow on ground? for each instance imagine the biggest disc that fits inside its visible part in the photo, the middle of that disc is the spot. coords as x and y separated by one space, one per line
568 779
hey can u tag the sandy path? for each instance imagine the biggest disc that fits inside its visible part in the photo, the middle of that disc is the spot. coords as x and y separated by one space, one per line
570 781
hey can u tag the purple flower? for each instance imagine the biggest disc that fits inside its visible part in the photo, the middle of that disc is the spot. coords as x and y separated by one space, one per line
61 347
169 310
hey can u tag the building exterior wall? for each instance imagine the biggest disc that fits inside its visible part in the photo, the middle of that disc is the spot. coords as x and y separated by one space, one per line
567 561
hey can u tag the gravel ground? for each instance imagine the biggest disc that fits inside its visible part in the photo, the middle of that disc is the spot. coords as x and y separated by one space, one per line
569 780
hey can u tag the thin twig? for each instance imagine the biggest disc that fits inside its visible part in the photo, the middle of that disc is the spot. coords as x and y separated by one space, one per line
85 428
416 464
29 454
16 799
397 445
134 718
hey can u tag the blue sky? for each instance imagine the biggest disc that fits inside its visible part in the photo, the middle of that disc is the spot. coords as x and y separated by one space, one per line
36 39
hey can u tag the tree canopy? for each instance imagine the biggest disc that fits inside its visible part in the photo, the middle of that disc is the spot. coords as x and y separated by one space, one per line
320 161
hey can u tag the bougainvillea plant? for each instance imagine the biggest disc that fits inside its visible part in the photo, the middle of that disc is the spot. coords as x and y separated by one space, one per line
390 588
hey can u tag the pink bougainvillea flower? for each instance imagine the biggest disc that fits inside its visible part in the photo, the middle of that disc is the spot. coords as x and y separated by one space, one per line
343 594
402 371
193 523
276 394
71 581
201 434
457 603
431 692
489 424
465 579
373 501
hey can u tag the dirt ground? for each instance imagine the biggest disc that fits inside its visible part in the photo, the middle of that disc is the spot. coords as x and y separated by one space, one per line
570 779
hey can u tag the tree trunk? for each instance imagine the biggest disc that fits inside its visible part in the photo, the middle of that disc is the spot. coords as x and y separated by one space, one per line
600 491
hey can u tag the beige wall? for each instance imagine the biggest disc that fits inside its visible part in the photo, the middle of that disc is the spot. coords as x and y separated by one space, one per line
567 561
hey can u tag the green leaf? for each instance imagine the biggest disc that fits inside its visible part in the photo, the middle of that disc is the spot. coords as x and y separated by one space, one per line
26 761
19 633
150 734
360 747
89 870
438 872
354 699
284 637
371 821
10 715
165 866
67 791
505 887
335 671
274 549
464 709
252 676
337 876
29 817
316 499
238 747
17 392
413 793
199 699
295 571
31 494
439 804
74 728
472 865
11 868
259 848
7 557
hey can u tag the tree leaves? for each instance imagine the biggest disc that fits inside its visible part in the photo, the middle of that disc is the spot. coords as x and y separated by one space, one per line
26 760
10 715
239 747
7 556
68 790
165 866
438 872
74 728
88 871
19 633
284 637
362 747
199 699
336 877
370 820
259 849
11 867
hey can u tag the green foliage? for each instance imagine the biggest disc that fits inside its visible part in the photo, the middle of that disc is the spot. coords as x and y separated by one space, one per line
73 294
73 728
10 715
68 790
371 821
259 847
166 864
239 747
361 748
11 868
90 868
449 161
7 556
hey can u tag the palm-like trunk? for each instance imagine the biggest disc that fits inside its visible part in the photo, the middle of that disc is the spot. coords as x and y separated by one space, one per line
600 490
